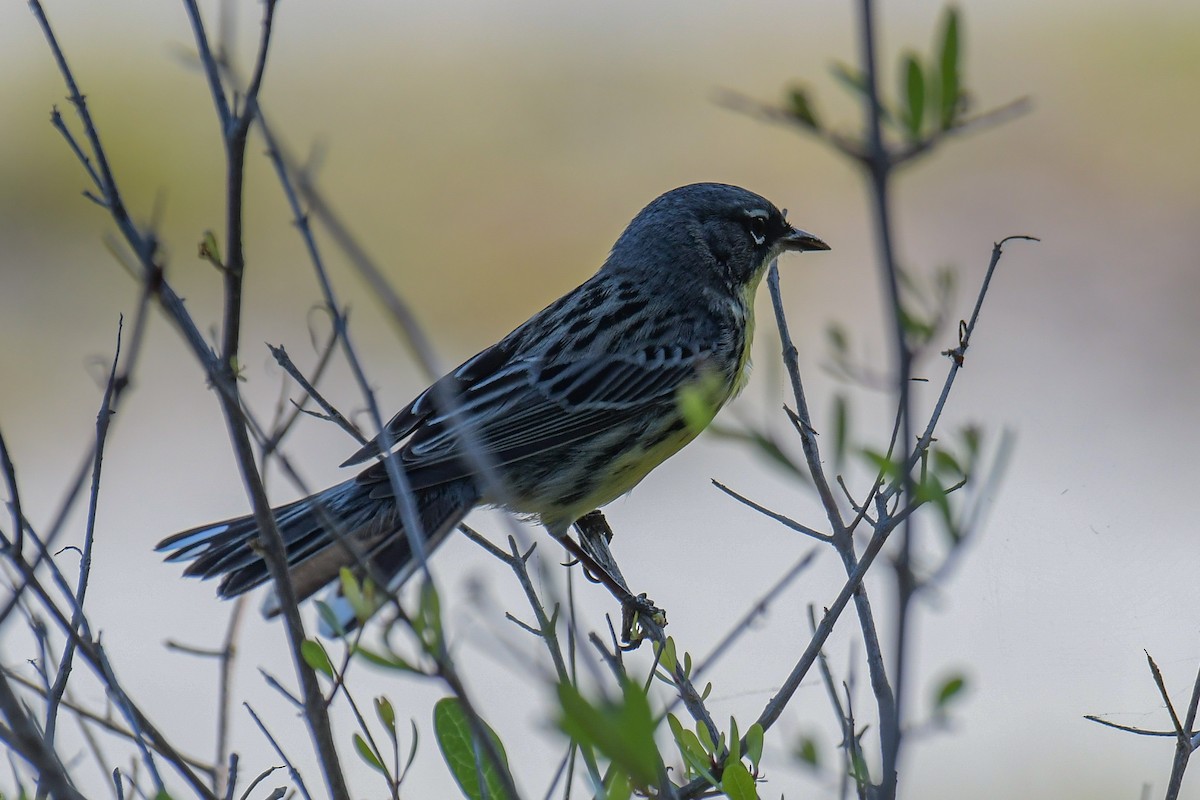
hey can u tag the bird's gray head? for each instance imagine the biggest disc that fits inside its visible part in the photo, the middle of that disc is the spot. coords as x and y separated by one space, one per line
708 230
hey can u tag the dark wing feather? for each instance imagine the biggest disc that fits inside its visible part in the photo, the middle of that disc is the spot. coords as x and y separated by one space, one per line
474 371
527 408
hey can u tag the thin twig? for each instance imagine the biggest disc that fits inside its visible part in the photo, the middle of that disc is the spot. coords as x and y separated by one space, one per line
225 694
546 629
844 719
957 357
842 537
14 547
56 692
23 737
284 423
105 722
787 522
774 708
1130 728
331 413
261 777
292 771
145 734
235 128
878 165
1185 744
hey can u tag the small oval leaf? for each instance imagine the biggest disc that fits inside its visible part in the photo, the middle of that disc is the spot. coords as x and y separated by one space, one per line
914 95
386 714
366 754
465 760
754 744
737 782
951 688
315 656
801 108
808 753
948 61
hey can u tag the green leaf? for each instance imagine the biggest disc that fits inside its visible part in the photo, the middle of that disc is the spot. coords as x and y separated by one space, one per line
330 619
856 83
808 753
948 61
945 280
765 445
918 330
360 596
387 661
350 587
914 96
849 77
737 783
946 464
428 621
412 750
891 470
735 742
690 748
315 656
706 739
841 428
972 437
617 786
678 731
771 449
622 730
667 658
838 339
466 761
951 688
801 109
860 771
754 744
210 250
386 714
931 490
366 754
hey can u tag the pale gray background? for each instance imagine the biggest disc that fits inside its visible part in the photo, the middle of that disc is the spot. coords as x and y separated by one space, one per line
489 154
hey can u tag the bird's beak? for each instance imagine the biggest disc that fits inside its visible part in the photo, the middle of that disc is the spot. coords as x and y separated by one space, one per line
800 241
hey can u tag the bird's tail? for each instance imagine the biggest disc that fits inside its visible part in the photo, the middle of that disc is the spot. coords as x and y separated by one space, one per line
343 526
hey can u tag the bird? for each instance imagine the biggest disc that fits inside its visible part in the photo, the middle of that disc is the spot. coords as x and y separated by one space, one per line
565 414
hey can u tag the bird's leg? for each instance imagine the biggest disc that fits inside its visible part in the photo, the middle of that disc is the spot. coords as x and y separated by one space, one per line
594 524
595 535
593 552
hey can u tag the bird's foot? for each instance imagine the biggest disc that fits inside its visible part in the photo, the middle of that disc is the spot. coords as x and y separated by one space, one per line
638 614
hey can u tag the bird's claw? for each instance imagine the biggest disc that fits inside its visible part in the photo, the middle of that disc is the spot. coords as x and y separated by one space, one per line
635 610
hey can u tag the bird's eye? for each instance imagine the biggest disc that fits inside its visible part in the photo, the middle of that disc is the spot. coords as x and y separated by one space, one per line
758 229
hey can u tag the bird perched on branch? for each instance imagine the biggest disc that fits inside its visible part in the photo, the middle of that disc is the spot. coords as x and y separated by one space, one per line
563 415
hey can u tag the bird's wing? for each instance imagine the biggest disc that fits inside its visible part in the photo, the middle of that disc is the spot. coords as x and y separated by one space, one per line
527 407
474 370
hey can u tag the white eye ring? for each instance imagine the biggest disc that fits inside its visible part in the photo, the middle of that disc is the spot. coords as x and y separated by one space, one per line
757 226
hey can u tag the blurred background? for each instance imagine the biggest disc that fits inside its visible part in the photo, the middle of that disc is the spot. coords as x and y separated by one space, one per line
488 155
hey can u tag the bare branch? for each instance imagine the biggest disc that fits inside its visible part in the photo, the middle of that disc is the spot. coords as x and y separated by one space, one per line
780 518
55 695
23 737
332 414
292 771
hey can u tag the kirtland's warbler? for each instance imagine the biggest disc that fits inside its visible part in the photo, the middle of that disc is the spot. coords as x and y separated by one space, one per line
568 412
